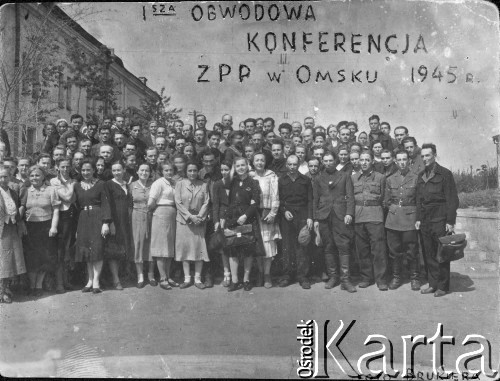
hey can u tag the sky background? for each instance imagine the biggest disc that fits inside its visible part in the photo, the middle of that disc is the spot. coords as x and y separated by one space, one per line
459 118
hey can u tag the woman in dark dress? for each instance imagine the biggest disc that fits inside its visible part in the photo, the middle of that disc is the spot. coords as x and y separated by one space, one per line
118 243
244 199
93 224
220 204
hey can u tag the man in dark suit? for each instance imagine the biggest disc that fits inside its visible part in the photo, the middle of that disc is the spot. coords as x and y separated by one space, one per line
333 210
295 194
437 204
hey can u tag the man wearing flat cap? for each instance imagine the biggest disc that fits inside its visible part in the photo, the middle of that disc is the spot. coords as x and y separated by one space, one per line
295 194
333 211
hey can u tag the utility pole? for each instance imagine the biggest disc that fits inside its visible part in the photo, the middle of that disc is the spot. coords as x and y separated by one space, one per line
194 113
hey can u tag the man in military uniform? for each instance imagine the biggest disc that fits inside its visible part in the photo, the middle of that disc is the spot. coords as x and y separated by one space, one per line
295 192
437 204
400 193
369 187
333 209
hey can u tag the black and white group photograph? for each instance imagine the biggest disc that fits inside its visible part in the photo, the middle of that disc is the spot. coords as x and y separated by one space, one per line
250 189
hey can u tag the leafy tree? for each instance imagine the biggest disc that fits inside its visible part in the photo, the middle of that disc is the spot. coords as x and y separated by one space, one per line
26 99
89 72
160 110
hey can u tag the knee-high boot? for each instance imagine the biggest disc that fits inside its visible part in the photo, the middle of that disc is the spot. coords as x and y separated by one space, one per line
345 278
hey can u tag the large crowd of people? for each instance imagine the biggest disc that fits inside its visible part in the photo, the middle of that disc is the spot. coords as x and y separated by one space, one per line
155 201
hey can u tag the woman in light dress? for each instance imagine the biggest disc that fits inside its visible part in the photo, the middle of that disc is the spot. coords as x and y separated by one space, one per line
141 224
11 228
268 209
191 199
162 204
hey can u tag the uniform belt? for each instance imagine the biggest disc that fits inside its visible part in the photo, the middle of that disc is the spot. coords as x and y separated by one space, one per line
368 203
90 207
401 202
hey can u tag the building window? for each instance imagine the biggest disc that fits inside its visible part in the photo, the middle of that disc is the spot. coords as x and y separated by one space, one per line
68 94
60 93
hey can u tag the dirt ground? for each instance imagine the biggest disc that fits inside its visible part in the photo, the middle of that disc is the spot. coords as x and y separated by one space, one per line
151 332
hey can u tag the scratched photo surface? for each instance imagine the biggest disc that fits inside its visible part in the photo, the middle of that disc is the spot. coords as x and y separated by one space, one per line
429 66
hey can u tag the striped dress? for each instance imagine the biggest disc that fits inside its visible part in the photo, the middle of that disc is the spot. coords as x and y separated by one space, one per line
269 203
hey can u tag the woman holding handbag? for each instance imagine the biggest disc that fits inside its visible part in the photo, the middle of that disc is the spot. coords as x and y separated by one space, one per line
268 209
244 199
220 205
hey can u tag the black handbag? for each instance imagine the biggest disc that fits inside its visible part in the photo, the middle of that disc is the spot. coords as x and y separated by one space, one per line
451 247
239 236
216 241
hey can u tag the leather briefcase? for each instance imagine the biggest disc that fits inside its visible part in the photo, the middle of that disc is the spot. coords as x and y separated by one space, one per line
239 236
451 247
